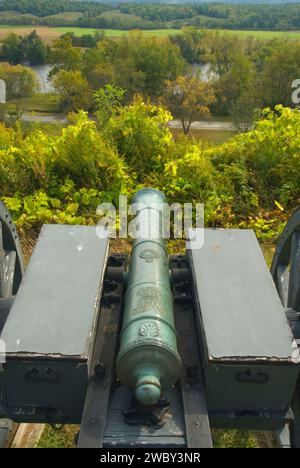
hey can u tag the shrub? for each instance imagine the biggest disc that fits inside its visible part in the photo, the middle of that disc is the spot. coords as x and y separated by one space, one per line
246 182
141 135
73 89
82 154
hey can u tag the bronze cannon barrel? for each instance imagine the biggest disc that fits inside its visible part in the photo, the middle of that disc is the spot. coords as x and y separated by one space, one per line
148 359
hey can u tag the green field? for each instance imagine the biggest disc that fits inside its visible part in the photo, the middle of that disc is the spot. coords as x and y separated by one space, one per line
40 103
265 35
48 34
166 32
116 32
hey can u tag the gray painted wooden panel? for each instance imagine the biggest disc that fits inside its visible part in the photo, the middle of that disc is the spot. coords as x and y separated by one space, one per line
56 307
241 312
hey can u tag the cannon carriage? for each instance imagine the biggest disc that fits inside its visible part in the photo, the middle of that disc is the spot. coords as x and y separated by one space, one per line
151 350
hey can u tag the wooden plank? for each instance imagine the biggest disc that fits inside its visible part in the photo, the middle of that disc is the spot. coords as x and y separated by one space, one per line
102 371
27 436
197 426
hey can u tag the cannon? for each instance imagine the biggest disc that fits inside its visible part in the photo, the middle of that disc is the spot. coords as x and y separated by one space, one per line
148 358
151 350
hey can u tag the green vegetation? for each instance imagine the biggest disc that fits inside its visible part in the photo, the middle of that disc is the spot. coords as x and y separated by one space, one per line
62 178
132 82
214 137
247 75
265 35
50 33
235 439
16 49
65 438
73 89
58 438
20 81
79 31
40 103
116 32
146 16
189 98
135 63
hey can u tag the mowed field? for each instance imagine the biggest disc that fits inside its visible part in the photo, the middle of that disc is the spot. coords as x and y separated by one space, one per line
49 34
117 32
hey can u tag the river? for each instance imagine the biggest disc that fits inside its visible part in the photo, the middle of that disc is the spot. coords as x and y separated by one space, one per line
42 76
204 72
42 71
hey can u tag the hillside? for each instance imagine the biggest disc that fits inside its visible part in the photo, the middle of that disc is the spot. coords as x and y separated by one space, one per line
274 16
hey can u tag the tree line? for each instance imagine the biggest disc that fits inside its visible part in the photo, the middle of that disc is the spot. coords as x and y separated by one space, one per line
151 16
246 75
43 8
19 49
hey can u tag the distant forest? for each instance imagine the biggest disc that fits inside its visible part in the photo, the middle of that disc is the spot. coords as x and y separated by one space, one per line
143 15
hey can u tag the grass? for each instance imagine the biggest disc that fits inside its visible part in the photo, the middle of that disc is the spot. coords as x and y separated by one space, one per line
116 32
47 103
49 129
58 438
65 438
265 35
39 102
49 34
215 137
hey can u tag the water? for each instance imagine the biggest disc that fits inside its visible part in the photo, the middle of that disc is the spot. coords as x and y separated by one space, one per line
204 72
2 92
42 76
42 71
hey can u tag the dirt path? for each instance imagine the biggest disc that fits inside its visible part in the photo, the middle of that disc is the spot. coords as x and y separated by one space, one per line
205 125
173 124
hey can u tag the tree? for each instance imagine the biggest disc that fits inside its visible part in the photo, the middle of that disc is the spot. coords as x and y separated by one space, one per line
35 49
64 55
96 68
243 111
191 42
158 59
108 101
189 98
73 89
240 80
281 68
20 81
136 63
11 49
223 49
17 49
